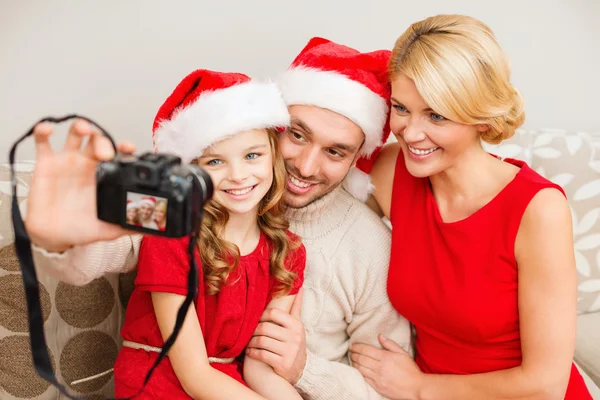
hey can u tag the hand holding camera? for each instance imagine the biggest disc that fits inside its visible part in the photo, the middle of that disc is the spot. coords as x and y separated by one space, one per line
61 208
83 196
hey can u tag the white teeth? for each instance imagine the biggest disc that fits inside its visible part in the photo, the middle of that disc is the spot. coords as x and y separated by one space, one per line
299 183
240 192
422 152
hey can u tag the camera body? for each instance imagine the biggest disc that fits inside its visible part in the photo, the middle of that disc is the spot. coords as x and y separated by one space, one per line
152 193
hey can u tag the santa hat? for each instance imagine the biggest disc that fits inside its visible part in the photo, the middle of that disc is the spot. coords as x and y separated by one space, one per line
209 106
131 204
151 201
354 84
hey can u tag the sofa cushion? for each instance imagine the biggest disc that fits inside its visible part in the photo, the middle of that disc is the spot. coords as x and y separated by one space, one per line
81 323
571 160
587 350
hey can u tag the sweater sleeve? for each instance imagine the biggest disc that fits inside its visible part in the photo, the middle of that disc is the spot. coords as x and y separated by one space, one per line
329 380
82 264
372 314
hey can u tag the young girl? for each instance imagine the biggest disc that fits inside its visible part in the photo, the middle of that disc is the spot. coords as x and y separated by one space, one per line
249 261
132 213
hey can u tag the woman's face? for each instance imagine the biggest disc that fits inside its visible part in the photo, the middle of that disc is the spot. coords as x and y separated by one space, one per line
159 214
431 143
241 168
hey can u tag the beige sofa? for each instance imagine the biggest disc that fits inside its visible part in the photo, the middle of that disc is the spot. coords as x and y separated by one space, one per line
82 323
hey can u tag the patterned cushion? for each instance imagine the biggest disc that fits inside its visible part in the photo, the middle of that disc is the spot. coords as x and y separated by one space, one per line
81 323
571 160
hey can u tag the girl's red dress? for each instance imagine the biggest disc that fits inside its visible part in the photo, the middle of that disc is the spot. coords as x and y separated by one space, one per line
228 319
457 282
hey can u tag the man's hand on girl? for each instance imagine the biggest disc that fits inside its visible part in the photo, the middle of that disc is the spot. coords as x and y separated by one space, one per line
280 341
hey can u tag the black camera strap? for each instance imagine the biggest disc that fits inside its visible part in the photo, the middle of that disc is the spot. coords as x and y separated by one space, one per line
37 338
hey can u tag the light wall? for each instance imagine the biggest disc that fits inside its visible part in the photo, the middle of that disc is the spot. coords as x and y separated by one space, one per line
117 61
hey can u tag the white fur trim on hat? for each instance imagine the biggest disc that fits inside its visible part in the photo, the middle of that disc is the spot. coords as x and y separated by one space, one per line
131 205
218 114
339 93
358 184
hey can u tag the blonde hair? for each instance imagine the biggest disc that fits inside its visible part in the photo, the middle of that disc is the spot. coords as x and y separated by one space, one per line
220 257
161 205
461 72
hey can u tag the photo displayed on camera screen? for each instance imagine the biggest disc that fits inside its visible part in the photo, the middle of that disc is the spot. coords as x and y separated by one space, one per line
146 211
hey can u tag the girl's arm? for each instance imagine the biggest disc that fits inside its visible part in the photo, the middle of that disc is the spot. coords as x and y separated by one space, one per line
547 313
188 354
260 376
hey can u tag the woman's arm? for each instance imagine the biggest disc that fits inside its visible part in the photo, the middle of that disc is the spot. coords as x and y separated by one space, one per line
382 177
547 313
260 376
188 354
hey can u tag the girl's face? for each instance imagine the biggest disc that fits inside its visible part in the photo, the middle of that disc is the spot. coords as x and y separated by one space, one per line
131 214
431 143
241 168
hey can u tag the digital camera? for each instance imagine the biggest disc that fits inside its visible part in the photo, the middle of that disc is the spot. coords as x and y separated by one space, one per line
152 193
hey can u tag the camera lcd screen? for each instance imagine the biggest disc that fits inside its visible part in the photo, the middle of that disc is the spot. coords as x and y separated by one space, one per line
146 211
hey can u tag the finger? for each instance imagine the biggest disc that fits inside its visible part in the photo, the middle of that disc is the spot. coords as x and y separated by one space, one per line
273 331
372 383
367 350
271 359
99 147
367 373
268 344
79 130
390 345
297 305
126 147
364 361
279 317
41 133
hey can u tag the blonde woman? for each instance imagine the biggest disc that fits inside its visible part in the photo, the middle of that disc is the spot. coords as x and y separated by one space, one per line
482 254
160 215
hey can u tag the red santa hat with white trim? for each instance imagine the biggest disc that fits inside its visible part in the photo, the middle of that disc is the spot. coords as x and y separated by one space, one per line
148 200
354 84
208 106
131 204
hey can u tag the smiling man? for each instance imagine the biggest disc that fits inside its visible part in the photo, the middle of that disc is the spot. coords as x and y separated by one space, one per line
338 103
338 100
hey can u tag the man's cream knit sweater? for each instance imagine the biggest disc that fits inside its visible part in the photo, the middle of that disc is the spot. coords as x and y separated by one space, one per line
345 299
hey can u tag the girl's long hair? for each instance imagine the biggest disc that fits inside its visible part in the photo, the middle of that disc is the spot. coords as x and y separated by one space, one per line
220 257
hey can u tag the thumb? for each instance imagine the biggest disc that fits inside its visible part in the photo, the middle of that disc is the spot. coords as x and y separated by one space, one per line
390 345
297 306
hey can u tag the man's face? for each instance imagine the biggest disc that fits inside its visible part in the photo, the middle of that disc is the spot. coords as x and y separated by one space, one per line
146 211
318 149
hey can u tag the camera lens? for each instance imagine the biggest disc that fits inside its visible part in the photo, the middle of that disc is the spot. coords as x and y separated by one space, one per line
143 173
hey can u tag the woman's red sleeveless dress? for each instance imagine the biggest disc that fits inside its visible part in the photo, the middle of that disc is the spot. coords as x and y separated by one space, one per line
457 282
